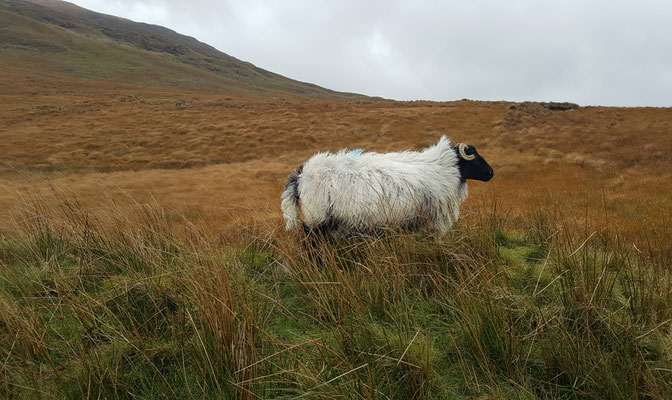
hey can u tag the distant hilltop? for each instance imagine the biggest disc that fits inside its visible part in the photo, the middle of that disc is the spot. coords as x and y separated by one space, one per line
44 40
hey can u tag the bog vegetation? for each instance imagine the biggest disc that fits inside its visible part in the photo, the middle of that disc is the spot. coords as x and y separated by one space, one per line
102 305
142 254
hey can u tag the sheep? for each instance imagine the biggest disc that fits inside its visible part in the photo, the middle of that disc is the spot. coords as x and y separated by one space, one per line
355 192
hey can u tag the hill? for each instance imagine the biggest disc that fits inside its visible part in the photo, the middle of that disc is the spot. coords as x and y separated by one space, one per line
46 41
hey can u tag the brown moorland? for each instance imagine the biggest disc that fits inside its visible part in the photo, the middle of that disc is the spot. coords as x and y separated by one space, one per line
125 272
103 106
228 156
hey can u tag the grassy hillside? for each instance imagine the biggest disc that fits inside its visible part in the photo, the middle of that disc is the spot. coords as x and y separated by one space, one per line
51 39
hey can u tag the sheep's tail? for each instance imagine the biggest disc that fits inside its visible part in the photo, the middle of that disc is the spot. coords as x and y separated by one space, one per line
290 200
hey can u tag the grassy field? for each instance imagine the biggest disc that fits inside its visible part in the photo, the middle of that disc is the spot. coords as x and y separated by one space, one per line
152 306
142 253
220 156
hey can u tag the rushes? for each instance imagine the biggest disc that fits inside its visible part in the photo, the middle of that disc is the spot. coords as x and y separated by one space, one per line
148 305
226 324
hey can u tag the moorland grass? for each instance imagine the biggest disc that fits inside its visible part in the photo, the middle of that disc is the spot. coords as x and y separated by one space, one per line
109 305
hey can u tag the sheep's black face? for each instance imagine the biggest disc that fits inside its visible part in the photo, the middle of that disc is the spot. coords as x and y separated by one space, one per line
476 168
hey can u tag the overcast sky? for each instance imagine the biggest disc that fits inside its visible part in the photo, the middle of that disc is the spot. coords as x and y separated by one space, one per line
587 52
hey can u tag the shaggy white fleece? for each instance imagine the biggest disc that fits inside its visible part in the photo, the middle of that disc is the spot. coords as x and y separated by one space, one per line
359 192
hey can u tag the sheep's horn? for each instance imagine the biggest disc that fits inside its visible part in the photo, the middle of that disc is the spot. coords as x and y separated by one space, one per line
463 153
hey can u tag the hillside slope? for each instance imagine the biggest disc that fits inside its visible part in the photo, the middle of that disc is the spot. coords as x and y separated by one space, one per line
46 41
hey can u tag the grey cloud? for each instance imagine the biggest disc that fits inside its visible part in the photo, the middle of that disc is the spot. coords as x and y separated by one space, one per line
589 52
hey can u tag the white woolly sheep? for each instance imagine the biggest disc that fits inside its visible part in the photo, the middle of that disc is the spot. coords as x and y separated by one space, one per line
354 192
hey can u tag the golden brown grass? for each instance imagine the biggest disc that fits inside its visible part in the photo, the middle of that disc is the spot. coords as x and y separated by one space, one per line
142 254
221 156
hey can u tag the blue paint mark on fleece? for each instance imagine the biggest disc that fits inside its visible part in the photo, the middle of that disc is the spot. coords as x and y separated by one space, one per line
355 152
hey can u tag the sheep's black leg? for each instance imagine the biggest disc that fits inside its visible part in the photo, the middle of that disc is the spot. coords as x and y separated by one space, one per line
311 243
316 237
